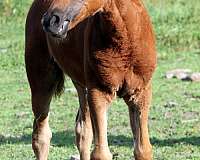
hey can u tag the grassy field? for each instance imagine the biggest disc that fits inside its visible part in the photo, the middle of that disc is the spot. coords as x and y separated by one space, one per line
174 129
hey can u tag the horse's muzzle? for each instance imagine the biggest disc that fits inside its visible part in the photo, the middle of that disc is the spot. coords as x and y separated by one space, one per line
55 25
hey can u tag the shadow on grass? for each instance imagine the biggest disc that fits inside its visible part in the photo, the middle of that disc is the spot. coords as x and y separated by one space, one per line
66 138
192 140
127 141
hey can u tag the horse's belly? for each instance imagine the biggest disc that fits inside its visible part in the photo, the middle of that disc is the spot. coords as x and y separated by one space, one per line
110 70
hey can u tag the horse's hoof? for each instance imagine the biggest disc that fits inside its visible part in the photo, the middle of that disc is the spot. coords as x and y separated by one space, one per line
101 154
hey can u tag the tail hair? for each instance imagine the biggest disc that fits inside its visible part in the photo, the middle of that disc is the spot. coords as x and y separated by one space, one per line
59 86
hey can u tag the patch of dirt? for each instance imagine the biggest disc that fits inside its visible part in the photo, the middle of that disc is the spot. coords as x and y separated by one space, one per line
190 116
168 115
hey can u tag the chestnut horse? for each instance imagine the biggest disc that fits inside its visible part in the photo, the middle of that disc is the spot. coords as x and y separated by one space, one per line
107 48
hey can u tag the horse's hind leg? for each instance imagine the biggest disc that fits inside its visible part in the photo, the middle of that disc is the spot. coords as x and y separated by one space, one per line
45 78
138 111
83 125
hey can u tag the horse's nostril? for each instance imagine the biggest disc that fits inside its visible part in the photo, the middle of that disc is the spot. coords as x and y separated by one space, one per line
55 24
55 20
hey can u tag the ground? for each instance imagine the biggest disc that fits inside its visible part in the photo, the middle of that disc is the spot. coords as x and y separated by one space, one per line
174 119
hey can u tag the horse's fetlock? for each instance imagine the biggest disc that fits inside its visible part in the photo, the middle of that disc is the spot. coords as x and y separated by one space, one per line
42 138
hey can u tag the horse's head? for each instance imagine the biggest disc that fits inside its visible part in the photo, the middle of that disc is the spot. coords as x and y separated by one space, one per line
64 15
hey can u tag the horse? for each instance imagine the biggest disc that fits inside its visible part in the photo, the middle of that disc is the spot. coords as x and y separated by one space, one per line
107 48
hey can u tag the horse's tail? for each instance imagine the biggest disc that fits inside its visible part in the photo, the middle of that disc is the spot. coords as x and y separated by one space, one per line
59 81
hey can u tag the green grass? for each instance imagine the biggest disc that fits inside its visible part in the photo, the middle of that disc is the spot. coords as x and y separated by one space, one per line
175 130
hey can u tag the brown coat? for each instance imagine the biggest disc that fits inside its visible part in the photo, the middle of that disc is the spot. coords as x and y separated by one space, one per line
109 50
